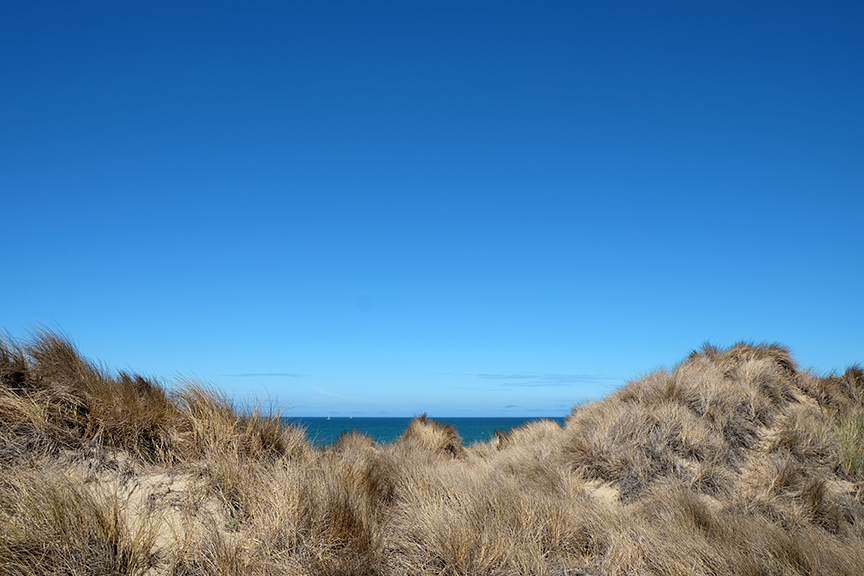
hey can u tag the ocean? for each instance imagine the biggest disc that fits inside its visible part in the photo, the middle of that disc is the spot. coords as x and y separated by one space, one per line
324 431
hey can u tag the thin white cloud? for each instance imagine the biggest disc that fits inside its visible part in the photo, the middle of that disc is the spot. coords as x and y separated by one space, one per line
536 380
265 375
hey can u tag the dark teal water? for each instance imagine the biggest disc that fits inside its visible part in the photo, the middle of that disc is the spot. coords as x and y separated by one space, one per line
323 432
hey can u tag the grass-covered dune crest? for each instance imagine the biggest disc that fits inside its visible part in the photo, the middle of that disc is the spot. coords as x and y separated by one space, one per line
735 461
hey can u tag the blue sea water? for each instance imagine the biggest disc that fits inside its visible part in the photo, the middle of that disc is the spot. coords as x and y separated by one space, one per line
323 431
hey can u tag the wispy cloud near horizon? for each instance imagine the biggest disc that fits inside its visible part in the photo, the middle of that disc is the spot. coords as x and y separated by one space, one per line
534 379
265 374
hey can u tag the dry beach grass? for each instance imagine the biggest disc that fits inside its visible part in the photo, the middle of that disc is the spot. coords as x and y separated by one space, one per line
735 461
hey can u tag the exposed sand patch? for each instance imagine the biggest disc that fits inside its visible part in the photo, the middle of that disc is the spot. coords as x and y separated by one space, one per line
172 504
604 492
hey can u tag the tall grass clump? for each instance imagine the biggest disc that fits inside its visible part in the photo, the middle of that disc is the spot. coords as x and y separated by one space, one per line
53 398
430 437
851 431
52 524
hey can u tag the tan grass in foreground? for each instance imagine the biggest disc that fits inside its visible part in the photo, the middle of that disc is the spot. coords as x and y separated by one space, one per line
733 462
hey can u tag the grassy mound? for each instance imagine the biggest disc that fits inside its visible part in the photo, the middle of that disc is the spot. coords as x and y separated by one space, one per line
735 461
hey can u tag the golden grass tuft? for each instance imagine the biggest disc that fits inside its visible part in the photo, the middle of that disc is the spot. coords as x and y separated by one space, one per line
51 523
431 437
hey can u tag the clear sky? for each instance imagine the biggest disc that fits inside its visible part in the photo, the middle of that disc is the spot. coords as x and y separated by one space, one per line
460 208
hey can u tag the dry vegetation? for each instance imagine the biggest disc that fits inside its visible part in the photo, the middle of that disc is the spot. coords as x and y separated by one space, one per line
733 462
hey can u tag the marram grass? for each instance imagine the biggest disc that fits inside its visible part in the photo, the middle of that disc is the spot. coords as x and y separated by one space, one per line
851 431
735 461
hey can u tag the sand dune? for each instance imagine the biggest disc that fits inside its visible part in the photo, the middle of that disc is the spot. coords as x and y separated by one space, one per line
734 461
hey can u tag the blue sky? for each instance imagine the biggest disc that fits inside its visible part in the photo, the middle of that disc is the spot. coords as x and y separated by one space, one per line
465 209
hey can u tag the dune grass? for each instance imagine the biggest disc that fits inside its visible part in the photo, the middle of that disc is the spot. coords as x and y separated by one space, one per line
51 523
735 461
